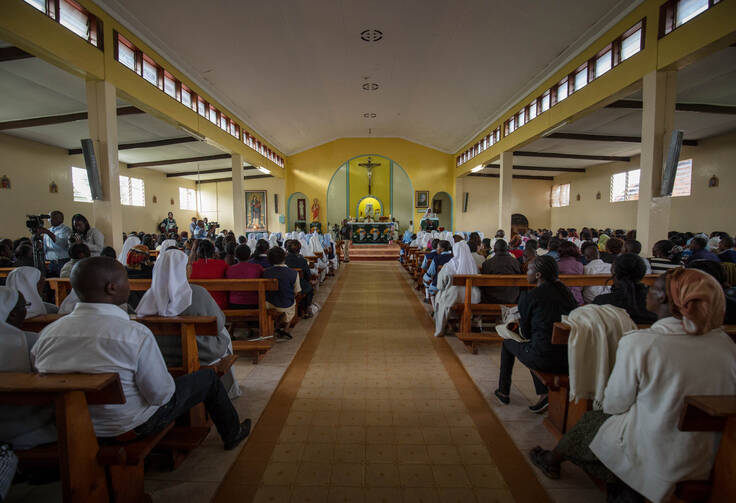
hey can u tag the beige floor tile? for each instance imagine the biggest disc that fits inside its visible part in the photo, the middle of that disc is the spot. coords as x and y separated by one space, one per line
450 476
280 474
494 495
380 435
299 418
294 434
465 436
346 495
486 476
382 475
383 495
289 452
443 454
313 474
457 495
272 494
322 434
378 418
408 435
420 495
412 454
436 435
474 454
347 474
349 453
309 494
381 453
317 452
416 475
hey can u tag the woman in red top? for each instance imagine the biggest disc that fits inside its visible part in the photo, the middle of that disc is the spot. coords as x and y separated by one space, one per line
514 246
207 267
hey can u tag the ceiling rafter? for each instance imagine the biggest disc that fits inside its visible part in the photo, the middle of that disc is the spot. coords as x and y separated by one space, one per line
59 119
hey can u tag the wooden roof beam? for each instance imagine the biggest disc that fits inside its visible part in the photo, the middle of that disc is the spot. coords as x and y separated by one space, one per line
59 119
145 144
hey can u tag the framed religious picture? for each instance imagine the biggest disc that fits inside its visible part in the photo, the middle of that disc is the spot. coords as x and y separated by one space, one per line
256 210
421 199
437 206
301 210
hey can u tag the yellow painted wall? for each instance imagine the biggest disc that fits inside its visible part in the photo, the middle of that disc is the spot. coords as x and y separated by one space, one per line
216 201
32 166
706 209
310 171
529 197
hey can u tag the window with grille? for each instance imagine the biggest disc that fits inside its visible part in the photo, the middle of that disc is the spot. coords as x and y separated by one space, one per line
80 186
132 191
560 195
625 186
187 199
683 178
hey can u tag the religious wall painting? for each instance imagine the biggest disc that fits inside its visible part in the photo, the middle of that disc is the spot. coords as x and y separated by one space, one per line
301 209
4 182
315 210
421 199
437 206
256 210
713 182
53 188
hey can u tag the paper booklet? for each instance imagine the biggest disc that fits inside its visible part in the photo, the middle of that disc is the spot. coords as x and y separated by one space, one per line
511 330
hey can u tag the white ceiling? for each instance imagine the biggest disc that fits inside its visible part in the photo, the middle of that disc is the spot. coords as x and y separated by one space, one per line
293 69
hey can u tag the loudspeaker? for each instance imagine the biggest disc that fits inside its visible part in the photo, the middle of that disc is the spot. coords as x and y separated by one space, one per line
670 164
465 202
93 174
276 203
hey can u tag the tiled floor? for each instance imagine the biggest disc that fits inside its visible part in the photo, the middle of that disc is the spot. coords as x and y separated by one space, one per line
373 414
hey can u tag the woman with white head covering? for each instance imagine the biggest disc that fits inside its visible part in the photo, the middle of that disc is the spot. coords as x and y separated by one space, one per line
273 241
26 280
168 243
331 252
127 246
447 294
22 426
318 251
172 295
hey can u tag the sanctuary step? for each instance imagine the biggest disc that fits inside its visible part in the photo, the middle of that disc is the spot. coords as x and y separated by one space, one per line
374 252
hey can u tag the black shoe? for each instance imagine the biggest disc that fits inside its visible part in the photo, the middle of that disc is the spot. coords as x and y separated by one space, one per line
242 434
504 399
540 406
427 301
282 334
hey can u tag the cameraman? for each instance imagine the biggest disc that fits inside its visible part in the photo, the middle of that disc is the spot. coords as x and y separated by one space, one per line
56 243
200 232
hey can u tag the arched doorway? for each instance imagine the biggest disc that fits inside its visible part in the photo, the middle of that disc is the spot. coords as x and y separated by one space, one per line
442 207
365 176
297 212
369 205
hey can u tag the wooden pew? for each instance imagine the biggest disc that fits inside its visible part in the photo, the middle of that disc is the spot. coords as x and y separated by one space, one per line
90 472
467 310
4 271
257 349
712 413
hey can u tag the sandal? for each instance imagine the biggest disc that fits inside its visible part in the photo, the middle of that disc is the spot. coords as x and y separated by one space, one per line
537 457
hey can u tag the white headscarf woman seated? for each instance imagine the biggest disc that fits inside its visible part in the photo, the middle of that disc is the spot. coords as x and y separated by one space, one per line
26 280
131 242
22 426
448 295
172 295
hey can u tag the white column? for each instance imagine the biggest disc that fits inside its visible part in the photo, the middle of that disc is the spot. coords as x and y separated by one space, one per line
103 130
506 162
658 113
238 195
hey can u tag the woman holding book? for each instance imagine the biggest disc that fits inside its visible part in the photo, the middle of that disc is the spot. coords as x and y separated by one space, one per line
539 309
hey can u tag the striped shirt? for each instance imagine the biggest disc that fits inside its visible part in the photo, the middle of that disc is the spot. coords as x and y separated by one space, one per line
662 265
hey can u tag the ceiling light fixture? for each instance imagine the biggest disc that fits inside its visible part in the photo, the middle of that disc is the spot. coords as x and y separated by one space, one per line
369 115
370 86
371 35
479 167
263 170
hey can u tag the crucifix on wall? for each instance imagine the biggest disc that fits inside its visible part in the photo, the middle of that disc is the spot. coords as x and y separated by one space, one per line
369 166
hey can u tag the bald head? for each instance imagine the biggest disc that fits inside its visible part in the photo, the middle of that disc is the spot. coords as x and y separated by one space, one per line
100 280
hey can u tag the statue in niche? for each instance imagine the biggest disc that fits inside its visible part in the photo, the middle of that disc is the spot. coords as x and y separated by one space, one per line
315 209
53 188
713 182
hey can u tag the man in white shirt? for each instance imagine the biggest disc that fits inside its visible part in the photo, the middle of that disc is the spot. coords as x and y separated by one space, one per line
99 337
594 265
56 243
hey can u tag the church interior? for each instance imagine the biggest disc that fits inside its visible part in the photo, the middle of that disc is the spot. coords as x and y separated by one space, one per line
435 246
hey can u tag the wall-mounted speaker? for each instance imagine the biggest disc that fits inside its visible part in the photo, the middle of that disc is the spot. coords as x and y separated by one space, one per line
276 203
465 202
93 173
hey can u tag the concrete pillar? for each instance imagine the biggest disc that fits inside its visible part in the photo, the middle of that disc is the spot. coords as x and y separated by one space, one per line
238 196
506 162
103 130
658 114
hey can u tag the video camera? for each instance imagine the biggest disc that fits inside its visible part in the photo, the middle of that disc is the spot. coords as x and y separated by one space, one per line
34 222
212 225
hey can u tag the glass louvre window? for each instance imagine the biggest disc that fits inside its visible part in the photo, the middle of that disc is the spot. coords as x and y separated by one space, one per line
38 4
234 129
625 186
132 191
562 90
186 97
683 178
560 195
631 45
187 199
169 86
603 63
521 118
545 102
223 122
498 134
126 55
74 19
202 108
80 186
212 115
688 9
581 78
150 72
532 109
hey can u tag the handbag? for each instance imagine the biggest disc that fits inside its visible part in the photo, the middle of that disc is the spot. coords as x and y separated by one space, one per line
8 467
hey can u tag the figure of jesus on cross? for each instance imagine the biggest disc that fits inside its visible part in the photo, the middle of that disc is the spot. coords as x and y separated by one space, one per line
369 166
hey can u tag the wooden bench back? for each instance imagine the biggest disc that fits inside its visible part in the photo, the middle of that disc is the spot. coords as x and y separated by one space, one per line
4 271
520 280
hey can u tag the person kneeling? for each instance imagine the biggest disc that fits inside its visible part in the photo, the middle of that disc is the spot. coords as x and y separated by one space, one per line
282 300
99 337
